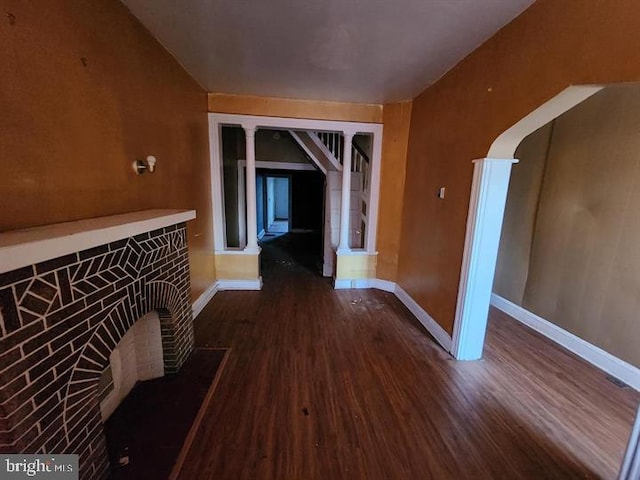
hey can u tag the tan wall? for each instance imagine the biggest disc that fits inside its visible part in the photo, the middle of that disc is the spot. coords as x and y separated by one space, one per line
394 160
237 267
353 267
69 131
520 213
292 108
584 267
550 46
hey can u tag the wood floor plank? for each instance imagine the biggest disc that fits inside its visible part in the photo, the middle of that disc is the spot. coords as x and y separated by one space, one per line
325 384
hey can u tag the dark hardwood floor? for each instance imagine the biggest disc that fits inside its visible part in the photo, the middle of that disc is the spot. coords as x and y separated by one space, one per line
325 384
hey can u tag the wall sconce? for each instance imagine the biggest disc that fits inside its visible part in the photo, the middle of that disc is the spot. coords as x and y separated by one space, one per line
139 166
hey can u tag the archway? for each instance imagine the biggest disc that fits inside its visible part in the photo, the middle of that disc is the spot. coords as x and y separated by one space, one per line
484 221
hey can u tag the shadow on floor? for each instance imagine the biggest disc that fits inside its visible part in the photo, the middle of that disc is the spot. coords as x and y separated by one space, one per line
292 251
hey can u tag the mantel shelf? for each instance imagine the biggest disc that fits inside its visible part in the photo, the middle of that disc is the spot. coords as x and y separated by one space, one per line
20 248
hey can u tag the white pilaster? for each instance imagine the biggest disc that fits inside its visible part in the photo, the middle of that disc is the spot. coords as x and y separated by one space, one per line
252 228
484 225
630 469
343 246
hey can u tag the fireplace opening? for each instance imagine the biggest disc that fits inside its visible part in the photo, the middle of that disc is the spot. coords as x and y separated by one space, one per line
137 357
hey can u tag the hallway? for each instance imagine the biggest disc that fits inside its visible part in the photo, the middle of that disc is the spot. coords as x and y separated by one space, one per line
346 384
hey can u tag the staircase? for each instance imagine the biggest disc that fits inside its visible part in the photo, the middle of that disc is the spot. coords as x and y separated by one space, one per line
326 151
332 144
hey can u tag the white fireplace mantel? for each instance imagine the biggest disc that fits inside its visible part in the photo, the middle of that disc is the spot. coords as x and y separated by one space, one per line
19 248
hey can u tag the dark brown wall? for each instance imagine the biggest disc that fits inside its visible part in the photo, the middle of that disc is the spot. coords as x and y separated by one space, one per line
84 91
550 46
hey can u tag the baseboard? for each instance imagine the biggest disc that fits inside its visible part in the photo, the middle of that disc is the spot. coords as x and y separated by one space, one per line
204 299
250 284
592 354
436 331
342 283
385 285
327 271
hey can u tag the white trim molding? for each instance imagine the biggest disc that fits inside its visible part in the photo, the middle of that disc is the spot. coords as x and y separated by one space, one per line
589 352
482 240
204 299
505 145
436 331
630 469
358 283
249 284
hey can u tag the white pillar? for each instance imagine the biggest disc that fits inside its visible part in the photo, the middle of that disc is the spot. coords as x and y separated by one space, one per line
345 204
630 469
252 227
484 225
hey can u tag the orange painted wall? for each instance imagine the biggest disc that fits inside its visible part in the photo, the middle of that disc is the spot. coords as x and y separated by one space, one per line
396 118
84 91
293 108
550 46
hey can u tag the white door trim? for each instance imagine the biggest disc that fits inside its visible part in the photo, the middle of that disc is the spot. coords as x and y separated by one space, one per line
630 469
484 224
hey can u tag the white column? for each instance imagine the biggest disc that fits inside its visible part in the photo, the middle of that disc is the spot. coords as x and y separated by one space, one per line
345 205
252 227
484 225
630 469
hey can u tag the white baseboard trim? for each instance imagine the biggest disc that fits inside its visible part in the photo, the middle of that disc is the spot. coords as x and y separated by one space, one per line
592 354
441 336
385 285
250 284
327 270
342 283
204 299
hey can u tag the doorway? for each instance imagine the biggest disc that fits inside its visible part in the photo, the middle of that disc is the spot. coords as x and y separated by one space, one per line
277 193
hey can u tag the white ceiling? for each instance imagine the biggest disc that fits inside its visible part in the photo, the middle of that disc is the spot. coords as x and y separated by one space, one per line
372 51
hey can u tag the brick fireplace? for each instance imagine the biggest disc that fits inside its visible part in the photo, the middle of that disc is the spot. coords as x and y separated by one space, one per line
61 318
